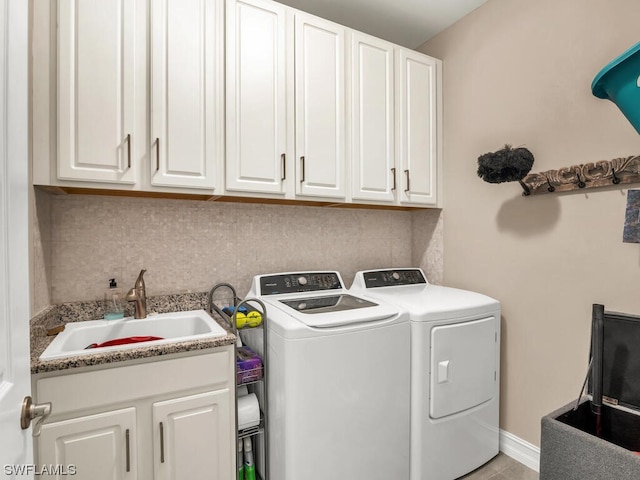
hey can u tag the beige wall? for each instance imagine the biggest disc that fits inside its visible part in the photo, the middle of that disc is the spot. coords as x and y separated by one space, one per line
81 241
520 72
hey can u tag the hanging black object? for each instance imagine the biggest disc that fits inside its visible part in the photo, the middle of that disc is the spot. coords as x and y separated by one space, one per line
506 165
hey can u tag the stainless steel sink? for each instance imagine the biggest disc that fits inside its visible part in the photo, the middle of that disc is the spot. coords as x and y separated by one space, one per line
171 327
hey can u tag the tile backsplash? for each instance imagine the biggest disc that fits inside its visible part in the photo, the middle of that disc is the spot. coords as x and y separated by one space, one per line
80 241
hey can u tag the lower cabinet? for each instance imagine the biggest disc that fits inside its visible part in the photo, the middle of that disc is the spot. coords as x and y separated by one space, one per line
94 446
191 436
168 419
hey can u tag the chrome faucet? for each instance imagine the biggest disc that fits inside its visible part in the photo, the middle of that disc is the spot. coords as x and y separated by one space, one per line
138 295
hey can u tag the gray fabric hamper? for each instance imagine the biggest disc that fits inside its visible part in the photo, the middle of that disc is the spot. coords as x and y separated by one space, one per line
577 444
569 453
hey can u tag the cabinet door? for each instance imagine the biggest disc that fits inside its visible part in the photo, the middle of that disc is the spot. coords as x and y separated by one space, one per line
320 109
97 138
372 114
256 87
416 121
99 447
193 437
186 92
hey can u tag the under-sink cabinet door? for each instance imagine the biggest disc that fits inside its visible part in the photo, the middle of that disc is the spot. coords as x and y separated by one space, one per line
187 103
258 127
374 176
97 60
320 108
193 437
95 447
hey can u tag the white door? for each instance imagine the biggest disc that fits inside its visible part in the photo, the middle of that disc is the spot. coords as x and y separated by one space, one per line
193 437
320 108
463 369
416 121
256 92
15 384
97 139
96 447
187 60
372 111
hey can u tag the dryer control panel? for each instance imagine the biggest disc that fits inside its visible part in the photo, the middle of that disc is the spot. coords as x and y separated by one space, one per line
299 282
393 278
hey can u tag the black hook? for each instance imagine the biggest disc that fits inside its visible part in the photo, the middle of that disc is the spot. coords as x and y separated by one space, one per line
550 188
526 189
581 184
616 180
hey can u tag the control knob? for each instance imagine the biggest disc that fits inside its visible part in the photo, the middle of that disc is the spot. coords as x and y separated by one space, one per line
302 281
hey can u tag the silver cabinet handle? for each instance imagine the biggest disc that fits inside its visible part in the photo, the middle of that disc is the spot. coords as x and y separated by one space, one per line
157 154
302 166
283 166
393 170
408 184
31 411
161 443
126 441
128 150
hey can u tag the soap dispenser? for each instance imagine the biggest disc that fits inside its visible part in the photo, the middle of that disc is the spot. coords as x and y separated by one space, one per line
113 305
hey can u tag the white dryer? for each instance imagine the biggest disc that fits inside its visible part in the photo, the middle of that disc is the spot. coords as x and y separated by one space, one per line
455 359
339 381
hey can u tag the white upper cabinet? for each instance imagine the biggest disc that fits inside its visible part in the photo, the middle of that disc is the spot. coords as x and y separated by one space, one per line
137 102
187 99
230 97
278 57
320 107
97 137
395 124
374 176
256 92
417 127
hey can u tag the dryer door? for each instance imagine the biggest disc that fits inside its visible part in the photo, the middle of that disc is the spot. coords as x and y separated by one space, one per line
463 366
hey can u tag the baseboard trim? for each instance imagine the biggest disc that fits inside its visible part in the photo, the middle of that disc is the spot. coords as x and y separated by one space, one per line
520 450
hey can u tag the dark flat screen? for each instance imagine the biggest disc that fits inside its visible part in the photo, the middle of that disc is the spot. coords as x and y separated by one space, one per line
621 359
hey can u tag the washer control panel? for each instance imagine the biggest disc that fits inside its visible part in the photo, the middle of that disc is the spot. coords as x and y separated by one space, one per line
391 278
299 282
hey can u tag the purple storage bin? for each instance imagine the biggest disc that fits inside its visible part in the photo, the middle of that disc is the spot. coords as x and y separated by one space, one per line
249 366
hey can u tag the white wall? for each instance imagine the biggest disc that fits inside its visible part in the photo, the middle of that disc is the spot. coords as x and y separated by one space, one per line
520 73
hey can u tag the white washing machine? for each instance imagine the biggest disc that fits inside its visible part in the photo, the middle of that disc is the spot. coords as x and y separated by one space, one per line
338 380
455 360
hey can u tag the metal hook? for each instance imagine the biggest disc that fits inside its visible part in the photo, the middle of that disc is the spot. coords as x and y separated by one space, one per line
615 180
526 189
550 188
581 184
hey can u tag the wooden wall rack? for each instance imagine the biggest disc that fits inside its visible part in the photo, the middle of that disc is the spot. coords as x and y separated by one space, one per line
603 173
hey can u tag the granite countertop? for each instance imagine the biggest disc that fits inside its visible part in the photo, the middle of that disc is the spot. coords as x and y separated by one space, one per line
74 312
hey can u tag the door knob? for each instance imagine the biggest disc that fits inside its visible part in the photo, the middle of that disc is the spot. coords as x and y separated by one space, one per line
31 411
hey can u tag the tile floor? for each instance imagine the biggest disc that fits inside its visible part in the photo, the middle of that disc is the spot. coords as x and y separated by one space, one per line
502 467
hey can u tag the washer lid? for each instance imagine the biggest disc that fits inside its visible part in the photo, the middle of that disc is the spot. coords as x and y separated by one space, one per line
323 311
318 299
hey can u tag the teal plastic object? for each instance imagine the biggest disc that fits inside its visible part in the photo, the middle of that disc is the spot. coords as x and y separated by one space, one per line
619 82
